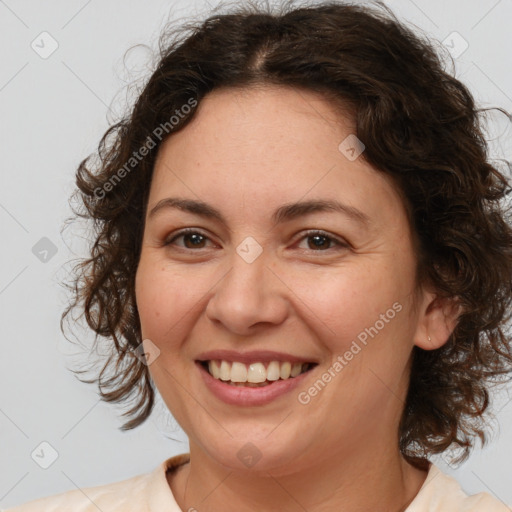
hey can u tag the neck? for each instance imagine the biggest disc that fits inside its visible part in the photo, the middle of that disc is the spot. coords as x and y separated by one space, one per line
352 481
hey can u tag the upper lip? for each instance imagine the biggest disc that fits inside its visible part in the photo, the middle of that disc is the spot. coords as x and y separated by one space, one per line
252 357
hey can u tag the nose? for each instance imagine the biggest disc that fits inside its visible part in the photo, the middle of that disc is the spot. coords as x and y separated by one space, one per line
248 297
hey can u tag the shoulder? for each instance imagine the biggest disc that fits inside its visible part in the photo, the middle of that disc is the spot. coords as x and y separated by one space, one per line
442 493
141 493
112 497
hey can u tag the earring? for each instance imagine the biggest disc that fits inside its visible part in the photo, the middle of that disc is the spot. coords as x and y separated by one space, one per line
429 339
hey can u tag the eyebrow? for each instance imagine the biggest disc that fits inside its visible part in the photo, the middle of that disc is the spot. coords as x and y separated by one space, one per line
284 213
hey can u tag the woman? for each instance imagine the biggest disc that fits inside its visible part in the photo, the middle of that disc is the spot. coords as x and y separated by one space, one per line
301 243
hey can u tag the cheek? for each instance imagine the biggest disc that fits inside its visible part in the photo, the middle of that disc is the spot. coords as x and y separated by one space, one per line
344 301
162 299
170 298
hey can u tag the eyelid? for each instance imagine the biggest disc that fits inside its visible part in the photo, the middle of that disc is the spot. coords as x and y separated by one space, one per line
339 242
185 231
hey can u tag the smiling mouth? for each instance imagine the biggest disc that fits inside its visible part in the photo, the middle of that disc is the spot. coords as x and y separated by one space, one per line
256 374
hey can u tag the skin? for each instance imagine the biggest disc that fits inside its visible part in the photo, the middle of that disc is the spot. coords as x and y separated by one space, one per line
247 152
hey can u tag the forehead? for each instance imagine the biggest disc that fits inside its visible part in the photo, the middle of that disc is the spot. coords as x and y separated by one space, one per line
275 119
259 148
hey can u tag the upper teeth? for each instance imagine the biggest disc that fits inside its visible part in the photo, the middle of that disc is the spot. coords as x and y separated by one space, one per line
254 372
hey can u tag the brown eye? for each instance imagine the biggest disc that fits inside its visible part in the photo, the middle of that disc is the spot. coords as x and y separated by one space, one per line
320 241
192 239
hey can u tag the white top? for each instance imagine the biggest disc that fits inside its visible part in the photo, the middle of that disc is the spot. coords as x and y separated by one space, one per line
150 492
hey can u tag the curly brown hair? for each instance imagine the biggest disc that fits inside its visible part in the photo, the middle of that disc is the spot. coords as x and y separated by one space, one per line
420 125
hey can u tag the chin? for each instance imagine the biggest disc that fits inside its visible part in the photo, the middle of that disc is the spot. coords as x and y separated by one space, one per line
247 454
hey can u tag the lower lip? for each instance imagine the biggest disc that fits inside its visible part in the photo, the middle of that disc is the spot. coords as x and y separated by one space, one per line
248 396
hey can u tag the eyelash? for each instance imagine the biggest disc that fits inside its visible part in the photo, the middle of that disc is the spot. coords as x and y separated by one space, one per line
188 231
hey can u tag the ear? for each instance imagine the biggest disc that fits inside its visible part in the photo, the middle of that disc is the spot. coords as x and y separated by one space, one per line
437 318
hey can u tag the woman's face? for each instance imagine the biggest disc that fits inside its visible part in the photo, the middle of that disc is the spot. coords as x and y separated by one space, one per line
248 280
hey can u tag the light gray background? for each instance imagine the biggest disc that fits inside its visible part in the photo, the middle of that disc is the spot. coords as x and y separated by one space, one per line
53 112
